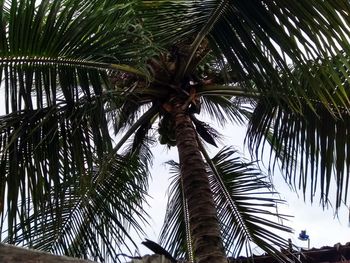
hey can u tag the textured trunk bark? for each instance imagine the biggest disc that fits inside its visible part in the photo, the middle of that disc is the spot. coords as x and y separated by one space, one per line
204 225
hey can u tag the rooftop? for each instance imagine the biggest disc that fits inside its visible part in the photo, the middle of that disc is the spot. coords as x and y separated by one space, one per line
334 254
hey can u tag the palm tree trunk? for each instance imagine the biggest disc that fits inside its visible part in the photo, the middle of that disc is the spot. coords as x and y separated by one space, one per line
204 225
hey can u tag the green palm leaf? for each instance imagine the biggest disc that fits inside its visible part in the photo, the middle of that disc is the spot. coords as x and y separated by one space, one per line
224 109
91 216
311 143
141 144
315 142
55 58
244 205
258 40
72 30
41 148
174 235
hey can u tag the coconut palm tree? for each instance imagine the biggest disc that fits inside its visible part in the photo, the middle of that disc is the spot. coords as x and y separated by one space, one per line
70 68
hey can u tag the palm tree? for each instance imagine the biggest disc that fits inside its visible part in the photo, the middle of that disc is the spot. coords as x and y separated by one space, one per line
70 68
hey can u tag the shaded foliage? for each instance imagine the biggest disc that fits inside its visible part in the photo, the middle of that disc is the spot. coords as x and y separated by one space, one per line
245 206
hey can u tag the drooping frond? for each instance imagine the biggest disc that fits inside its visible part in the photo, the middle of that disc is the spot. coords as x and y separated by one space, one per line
205 131
312 146
90 216
259 39
143 140
224 108
55 57
247 210
39 149
311 142
140 126
127 114
175 233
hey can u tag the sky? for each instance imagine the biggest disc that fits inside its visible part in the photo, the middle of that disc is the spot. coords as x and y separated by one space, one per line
323 227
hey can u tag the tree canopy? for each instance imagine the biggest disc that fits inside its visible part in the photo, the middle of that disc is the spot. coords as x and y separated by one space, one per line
72 71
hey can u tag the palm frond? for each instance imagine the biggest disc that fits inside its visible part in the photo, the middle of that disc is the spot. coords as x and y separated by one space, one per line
175 234
41 148
173 21
224 108
142 142
96 30
310 142
142 125
311 146
245 206
54 63
59 50
91 215
206 132
247 210
128 113
259 39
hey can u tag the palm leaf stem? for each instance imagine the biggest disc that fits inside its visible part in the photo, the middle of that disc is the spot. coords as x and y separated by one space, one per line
202 34
128 69
224 90
187 224
24 60
146 116
224 190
